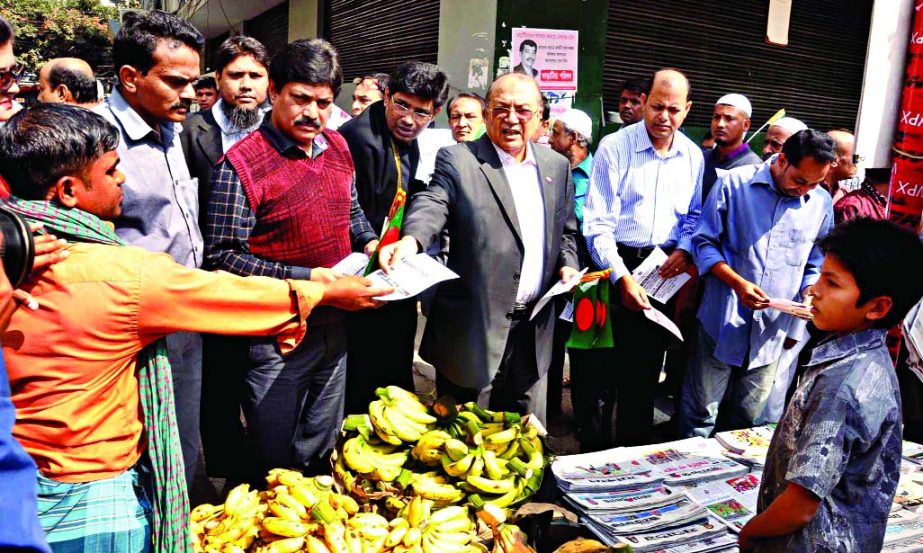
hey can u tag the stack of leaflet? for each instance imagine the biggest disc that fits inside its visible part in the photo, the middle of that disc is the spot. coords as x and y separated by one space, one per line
904 531
731 500
749 445
636 496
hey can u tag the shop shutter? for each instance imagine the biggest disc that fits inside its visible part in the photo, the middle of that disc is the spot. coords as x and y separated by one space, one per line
270 28
378 35
720 45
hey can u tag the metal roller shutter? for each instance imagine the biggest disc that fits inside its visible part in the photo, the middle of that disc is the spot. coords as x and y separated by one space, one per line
378 35
720 46
270 28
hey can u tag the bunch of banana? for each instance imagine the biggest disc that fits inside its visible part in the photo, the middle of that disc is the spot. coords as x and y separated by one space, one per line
428 449
436 487
381 462
398 416
510 539
234 525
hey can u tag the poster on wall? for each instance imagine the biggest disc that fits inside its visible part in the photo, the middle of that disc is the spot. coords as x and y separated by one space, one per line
549 55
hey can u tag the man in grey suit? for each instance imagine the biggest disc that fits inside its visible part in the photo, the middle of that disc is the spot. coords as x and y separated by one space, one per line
242 70
509 209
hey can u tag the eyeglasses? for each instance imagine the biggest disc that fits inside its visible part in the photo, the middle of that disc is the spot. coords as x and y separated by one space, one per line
11 76
503 112
419 116
857 159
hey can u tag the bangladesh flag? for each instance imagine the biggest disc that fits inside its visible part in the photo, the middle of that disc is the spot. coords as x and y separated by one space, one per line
592 326
392 230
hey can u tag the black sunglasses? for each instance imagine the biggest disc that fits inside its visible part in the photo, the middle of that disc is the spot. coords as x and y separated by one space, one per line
10 76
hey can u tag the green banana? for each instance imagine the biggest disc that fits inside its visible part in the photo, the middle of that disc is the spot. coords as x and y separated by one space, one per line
382 427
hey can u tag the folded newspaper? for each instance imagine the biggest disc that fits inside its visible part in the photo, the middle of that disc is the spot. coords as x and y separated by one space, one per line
732 501
903 526
666 516
667 538
615 501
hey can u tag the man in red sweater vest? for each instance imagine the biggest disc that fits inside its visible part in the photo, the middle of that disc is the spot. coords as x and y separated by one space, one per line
283 204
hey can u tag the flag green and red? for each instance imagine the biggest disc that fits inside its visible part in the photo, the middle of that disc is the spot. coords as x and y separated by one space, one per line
392 230
592 325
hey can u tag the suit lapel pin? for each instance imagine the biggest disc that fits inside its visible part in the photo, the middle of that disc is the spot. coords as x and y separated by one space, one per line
547 179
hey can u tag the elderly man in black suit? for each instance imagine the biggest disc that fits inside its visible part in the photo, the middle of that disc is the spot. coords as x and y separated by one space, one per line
243 82
509 208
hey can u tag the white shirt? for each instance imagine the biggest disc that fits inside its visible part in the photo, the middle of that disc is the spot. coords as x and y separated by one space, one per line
526 186
230 134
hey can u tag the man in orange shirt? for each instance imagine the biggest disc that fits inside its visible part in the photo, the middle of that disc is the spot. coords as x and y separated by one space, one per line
89 374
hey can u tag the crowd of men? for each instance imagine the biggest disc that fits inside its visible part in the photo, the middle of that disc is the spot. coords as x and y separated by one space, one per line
185 272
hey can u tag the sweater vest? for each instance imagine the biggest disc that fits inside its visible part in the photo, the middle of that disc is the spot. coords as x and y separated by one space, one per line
301 205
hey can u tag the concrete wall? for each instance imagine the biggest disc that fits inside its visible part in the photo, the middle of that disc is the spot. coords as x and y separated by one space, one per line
303 19
466 31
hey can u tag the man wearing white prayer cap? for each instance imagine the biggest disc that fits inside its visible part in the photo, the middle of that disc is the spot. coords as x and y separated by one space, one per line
779 132
730 122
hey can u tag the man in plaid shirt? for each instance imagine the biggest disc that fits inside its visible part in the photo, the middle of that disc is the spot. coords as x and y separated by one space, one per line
283 204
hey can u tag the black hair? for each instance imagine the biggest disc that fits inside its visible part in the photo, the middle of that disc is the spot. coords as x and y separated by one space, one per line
653 80
81 85
7 34
884 259
417 78
546 108
141 31
380 80
41 144
313 61
205 82
237 46
528 42
637 85
473 96
809 143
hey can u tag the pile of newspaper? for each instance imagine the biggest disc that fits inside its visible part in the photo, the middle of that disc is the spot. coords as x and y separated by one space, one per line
684 496
904 533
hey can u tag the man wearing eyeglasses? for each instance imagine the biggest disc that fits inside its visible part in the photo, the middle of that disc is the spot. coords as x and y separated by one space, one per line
509 207
383 143
645 192
10 73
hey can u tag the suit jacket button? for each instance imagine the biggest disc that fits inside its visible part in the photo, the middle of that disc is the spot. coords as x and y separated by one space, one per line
509 316
516 277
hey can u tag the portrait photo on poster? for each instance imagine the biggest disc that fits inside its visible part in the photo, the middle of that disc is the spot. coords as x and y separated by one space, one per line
548 55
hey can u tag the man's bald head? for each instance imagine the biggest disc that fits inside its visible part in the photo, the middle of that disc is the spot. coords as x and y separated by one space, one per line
844 167
672 79
506 81
67 80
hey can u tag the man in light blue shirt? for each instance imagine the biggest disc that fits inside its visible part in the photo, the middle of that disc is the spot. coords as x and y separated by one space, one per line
156 58
755 241
645 192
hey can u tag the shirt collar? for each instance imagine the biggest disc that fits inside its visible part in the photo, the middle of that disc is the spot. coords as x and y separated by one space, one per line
285 145
838 347
734 153
225 124
644 141
509 161
135 127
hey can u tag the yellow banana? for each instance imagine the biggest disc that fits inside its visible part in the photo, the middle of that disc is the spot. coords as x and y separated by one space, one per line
511 451
353 541
503 437
335 537
382 427
387 473
315 545
458 468
508 498
452 512
284 511
288 545
304 496
205 511
355 456
284 527
404 428
289 501
395 537
495 469
398 393
412 537
477 467
415 511
455 449
431 489
237 500
492 486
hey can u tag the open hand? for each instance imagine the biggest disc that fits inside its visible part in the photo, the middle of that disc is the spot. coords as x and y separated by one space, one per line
751 295
393 253
353 293
633 295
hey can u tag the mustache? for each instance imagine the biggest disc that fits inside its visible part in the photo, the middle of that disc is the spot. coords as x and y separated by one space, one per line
182 103
307 122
